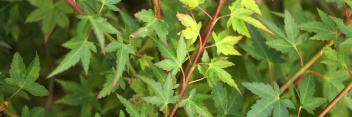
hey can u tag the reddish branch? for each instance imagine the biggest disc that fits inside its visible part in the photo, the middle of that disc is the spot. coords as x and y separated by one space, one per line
157 9
207 32
335 100
75 7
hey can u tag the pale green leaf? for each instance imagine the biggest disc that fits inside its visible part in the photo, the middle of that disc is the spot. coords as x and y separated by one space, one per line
153 24
25 79
97 114
181 50
250 4
192 3
239 15
225 44
192 28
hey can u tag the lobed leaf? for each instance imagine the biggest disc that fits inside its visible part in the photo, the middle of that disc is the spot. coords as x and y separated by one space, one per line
25 79
192 28
153 24
306 90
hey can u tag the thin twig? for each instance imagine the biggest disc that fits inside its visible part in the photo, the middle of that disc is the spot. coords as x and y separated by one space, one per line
335 100
205 12
300 56
8 99
304 68
157 8
326 78
196 80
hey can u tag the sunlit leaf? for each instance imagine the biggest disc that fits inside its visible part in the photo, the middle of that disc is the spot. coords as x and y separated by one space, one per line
192 28
192 3
225 44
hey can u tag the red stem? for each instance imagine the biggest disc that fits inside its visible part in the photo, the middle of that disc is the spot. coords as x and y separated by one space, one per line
75 7
200 52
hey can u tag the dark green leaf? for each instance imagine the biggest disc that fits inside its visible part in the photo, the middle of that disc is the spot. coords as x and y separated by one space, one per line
25 79
80 50
130 108
35 112
325 30
227 105
306 91
51 14
79 94
153 24
193 104
260 50
111 4
270 102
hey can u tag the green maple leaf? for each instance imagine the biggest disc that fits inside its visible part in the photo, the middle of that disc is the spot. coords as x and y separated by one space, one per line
289 40
325 30
250 4
99 25
193 104
172 63
227 105
192 3
131 109
80 50
144 61
110 4
35 112
25 79
347 30
270 102
225 44
51 14
260 50
164 93
153 24
335 59
79 94
239 15
192 28
306 91
107 89
122 54
333 85
214 71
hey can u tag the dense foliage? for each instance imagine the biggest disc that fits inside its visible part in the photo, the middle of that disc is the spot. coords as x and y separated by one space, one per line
140 58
